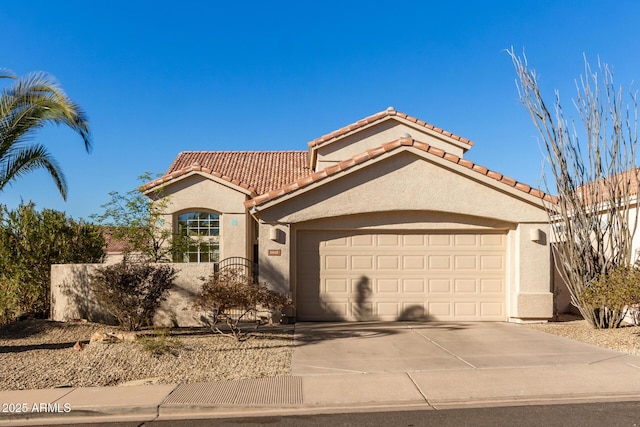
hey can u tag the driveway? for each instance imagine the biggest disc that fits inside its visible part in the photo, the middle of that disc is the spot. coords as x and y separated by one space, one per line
374 347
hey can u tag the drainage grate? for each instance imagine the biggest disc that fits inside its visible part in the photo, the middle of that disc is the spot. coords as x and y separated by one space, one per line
260 392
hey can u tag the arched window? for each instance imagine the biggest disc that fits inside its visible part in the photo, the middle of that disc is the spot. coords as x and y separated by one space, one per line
203 231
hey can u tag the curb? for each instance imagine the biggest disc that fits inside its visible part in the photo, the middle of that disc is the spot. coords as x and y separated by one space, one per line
149 413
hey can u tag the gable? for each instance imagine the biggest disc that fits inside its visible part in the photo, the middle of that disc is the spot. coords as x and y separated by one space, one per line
408 180
198 191
376 130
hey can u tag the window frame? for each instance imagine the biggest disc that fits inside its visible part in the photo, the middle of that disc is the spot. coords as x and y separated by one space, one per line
203 228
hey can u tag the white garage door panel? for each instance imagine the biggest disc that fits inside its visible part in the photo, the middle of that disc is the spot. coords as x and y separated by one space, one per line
387 276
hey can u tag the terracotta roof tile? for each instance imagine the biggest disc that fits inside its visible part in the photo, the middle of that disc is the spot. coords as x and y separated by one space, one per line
256 171
617 186
451 157
113 245
421 146
480 169
390 146
466 163
495 175
389 112
536 192
436 151
508 181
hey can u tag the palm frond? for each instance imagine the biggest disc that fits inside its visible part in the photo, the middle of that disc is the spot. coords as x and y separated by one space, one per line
27 159
27 105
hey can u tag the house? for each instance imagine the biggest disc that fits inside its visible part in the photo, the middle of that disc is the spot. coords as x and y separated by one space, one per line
600 217
115 248
383 219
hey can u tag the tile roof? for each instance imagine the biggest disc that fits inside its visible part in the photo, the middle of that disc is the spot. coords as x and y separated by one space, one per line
616 187
111 243
389 112
385 148
255 171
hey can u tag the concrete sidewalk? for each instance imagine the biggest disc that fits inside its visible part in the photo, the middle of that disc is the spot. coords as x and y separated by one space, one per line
439 370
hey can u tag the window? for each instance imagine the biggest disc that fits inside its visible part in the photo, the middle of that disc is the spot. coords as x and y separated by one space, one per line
203 230
202 252
199 224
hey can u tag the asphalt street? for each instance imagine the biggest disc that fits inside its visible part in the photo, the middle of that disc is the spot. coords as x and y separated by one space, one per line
583 415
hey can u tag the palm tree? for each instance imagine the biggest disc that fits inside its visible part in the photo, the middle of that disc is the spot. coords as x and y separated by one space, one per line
27 105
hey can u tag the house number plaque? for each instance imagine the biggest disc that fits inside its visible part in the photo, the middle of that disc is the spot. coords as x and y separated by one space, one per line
275 252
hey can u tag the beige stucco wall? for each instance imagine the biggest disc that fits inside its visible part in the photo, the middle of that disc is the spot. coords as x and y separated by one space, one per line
635 244
378 134
204 193
406 191
71 298
406 181
531 286
275 257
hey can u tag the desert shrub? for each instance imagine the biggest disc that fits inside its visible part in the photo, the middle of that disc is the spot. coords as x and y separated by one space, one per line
32 240
611 295
132 292
231 296
160 342
9 300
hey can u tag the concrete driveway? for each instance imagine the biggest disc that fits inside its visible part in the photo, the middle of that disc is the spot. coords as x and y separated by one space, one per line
371 347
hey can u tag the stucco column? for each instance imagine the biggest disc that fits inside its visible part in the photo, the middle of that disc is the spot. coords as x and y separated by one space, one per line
532 298
274 244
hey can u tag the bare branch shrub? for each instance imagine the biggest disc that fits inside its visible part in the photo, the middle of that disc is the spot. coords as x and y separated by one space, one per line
231 296
593 172
132 291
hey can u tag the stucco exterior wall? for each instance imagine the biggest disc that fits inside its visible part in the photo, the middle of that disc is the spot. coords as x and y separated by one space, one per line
407 192
635 244
71 298
531 288
375 136
275 257
199 193
408 182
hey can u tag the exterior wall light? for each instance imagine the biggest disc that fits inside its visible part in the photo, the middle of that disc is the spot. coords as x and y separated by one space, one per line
536 235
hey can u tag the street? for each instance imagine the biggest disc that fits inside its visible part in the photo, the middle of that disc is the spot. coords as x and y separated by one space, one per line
583 415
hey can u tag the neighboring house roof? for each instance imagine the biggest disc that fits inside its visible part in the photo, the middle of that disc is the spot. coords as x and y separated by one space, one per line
385 148
256 171
389 112
625 184
113 245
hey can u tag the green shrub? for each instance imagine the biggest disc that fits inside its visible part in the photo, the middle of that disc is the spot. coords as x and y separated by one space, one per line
30 242
9 300
160 343
610 296
232 296
132 292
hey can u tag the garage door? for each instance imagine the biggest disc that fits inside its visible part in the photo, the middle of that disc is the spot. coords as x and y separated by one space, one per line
389 276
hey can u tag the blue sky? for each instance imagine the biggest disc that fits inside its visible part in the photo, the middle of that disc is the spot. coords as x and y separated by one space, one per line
160 77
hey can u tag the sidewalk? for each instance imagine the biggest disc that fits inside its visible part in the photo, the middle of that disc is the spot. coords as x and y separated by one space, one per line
617 381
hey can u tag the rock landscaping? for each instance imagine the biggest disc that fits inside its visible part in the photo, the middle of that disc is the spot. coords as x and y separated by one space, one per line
38 354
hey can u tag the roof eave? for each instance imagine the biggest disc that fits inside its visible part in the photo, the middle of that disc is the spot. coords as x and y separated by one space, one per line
168 180
463 166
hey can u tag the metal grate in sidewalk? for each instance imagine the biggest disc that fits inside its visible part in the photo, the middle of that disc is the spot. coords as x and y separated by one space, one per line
259 392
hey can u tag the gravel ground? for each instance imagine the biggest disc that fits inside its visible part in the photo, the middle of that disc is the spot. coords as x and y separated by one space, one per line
40 354
625 339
